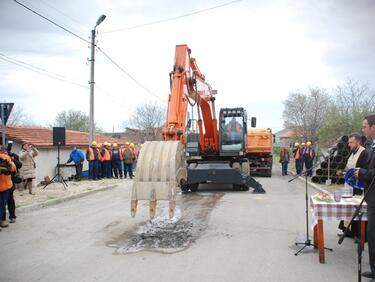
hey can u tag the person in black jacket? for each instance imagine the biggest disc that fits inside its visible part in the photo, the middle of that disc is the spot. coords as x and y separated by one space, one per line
367 175
357 159
16 180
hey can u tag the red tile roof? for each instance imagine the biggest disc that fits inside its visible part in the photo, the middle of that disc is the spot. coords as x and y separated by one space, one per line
292 133
42 137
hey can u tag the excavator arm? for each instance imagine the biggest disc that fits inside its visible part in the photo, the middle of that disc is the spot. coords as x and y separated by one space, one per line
161 166
188 84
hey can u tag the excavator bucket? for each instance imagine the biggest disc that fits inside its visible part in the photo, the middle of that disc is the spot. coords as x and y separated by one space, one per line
160 169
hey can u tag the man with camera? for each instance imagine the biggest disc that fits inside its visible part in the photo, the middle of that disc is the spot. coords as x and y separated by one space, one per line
6 169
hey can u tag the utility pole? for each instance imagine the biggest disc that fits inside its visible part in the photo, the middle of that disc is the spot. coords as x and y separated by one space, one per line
92 63
91 82
3 123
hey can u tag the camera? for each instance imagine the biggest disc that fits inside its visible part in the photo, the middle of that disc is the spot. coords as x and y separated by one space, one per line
5 165
16 179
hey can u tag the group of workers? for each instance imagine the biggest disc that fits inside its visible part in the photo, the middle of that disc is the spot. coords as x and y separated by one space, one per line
304 154
109 160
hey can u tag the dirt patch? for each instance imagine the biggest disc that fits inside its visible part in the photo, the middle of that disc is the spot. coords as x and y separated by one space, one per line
57 190
170 235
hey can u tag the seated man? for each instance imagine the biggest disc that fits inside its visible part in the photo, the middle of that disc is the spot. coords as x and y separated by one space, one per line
233 129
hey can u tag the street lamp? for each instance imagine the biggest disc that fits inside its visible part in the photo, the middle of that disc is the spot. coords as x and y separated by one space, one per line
92 62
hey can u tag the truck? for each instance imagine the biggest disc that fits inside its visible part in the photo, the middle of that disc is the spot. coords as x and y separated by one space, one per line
259 151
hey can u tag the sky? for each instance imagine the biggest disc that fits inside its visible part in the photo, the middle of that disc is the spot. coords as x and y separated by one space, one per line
253 52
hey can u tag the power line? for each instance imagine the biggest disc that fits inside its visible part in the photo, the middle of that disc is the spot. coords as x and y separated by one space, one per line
101 50
173 18
60 12
52 22
38 68
53 75
130 76
42 73
45 13
113 97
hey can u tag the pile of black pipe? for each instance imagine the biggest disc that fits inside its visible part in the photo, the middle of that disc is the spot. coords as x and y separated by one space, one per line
336 159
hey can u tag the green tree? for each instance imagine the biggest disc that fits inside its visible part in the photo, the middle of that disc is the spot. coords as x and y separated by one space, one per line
351 101
74 120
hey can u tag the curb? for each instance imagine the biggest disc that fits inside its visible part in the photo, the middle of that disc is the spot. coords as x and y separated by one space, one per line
52 202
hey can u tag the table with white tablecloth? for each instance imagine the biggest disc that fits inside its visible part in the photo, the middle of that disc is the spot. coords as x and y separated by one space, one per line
342 210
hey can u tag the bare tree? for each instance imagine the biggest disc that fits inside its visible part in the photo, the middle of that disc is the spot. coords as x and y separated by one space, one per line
305 112
148 119
351 101
18 116
318 100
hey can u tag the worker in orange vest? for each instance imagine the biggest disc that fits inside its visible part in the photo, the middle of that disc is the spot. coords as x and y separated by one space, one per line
7 166
107 173
100 163
92 156
298 158
308 156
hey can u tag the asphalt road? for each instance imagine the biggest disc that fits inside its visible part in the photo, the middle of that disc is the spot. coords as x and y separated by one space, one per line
217 235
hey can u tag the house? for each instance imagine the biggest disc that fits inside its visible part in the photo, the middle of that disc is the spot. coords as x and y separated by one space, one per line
138 136
286 137
41 138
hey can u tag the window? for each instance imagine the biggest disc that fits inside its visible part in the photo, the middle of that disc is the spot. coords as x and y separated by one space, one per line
232 134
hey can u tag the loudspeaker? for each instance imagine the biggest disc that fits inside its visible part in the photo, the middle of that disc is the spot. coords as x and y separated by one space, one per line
59 136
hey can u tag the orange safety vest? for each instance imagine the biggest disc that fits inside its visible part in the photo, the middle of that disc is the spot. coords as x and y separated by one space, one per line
296 154
121 153
100 157
106 155
6 180
238 127
311 151
91 154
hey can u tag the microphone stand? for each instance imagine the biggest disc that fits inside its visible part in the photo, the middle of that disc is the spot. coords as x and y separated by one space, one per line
358 213
308 242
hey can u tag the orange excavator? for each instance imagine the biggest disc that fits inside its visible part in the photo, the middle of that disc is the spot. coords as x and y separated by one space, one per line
194 150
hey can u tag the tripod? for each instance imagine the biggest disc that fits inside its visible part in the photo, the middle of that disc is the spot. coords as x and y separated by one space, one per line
308 242
57 177
358 213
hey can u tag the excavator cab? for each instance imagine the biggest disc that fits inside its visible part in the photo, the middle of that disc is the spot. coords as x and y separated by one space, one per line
232 132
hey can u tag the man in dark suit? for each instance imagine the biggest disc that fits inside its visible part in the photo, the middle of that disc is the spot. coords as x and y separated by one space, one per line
367 175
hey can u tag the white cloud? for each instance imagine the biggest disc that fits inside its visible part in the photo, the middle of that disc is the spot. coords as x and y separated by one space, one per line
254 54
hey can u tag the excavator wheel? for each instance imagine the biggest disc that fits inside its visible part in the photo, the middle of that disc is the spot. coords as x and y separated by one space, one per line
160 169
